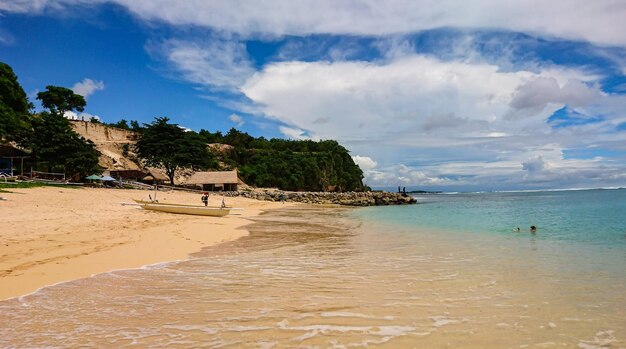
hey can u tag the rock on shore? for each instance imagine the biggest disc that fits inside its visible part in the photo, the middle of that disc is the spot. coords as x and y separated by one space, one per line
346 199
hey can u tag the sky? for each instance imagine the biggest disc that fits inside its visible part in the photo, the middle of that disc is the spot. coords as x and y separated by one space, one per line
434 95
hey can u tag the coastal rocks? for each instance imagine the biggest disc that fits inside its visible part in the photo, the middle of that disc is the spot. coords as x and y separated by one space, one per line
326 198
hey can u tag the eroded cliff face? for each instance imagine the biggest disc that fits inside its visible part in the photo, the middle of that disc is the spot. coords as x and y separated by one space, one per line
114 144
116 148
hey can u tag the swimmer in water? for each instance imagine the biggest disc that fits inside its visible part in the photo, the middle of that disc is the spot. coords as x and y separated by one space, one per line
533 229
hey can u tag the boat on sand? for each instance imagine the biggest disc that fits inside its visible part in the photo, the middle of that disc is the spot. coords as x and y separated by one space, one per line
184 209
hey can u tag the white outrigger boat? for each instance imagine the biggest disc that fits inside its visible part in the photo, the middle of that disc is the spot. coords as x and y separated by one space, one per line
184 209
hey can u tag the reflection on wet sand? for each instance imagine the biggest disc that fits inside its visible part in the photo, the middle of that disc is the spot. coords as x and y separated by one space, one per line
318 278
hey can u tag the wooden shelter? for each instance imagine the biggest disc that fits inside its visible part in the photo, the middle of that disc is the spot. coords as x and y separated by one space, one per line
129 175
155 175
9 157
215 180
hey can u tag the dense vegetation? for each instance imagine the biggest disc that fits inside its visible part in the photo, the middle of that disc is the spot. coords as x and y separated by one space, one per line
48 136
14 106
55 147
279 163
289 164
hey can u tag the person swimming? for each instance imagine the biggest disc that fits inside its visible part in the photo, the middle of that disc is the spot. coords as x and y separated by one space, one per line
533 229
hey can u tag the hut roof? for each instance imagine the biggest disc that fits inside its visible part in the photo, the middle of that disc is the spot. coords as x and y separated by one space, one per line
157 174
7 150
214 177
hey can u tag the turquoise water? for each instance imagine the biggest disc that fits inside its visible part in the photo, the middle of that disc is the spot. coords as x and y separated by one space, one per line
596 217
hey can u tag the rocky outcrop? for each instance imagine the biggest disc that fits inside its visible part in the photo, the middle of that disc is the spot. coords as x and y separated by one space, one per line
346 199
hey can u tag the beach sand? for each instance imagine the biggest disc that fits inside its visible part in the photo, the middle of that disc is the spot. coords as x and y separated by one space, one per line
304 276
52 234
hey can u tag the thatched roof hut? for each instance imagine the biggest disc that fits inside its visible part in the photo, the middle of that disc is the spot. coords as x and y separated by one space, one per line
215 180
156 175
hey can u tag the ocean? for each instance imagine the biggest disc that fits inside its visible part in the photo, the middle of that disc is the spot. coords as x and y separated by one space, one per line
450 272
587 217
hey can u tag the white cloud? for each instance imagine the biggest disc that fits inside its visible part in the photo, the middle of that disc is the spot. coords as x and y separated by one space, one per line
87 87
22 6
293 133
596 21
403 175
214 63
365 163
535 95
369 101
451 121
534 165
236 119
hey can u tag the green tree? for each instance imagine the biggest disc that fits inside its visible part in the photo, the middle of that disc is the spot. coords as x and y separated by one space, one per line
53 143
135 127
14 106
57 148
168 146
60 99
211 137
123 124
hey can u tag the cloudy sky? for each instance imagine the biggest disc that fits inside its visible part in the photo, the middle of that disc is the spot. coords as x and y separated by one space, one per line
449 95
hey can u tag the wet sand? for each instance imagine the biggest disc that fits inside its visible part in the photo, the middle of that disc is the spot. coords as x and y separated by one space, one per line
51 235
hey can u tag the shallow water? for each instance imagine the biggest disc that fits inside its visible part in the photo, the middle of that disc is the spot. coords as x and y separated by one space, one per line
588 217
323 278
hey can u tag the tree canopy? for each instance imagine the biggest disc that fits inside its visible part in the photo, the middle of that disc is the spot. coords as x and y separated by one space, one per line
56 147
14 106
168 146
53 143
60 99
289 164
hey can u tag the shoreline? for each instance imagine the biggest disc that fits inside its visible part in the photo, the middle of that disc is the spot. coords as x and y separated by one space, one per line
359 280
54 235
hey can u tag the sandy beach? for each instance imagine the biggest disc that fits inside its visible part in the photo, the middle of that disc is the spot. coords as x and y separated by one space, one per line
302 276
51 235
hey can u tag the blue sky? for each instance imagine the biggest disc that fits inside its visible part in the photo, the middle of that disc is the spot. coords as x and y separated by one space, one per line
478 95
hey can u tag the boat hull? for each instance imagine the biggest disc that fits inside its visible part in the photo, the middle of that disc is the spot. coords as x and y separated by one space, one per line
183 209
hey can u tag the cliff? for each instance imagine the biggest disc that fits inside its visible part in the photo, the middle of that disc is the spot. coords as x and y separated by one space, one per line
114 144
